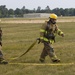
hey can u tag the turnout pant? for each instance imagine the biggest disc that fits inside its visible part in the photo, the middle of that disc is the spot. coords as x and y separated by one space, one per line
1 54
48 50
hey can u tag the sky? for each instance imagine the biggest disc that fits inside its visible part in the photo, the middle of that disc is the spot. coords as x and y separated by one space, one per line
31 4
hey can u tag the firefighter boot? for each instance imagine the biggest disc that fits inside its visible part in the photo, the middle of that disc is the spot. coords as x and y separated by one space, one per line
55 59
3 61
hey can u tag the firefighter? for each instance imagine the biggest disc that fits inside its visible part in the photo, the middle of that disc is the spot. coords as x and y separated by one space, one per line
2 60
48 32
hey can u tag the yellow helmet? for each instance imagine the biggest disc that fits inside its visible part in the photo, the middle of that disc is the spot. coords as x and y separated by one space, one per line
53 16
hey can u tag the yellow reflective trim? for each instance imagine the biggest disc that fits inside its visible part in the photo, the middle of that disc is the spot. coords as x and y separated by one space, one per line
45 39
42 30
51 41
41 37
54 57
58 31
61 33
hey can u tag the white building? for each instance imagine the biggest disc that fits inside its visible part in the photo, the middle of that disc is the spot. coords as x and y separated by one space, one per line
37 15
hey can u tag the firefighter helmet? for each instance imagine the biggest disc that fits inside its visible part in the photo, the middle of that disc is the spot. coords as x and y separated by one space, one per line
53 16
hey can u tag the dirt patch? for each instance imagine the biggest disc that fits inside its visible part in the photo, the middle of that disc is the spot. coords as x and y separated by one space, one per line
36 21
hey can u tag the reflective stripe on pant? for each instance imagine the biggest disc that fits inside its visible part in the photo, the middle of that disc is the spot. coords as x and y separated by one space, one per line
48 50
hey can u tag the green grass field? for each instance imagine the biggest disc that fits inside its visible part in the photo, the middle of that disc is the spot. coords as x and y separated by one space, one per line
18 37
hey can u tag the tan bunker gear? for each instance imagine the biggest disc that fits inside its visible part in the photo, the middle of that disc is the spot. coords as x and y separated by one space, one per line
48 32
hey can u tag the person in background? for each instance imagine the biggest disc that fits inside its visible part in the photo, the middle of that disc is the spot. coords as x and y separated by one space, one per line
2 60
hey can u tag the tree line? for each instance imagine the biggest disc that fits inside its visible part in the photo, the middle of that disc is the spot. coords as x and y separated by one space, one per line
5 12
